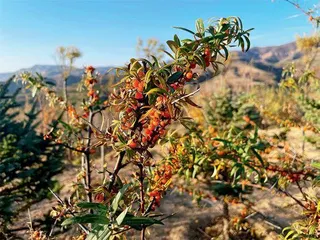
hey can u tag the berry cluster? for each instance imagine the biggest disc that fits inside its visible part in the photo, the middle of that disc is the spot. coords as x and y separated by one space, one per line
144 117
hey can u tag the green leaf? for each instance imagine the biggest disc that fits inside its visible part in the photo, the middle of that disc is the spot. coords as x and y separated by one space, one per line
174 77
118 197
226 52
34 91
177 40
173 45
65 125
88 218
258 156
137 222
316 165
200 26
200 61
195 170
121 217
248 42
94 206
156 90
185 29
100 233
169 54
156 62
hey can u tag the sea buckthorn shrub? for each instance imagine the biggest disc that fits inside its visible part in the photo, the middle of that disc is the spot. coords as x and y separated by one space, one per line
147 100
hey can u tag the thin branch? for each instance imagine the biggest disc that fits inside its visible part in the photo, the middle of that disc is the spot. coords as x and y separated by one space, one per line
116 170
302 192
188 95
68 210
142 200
291 196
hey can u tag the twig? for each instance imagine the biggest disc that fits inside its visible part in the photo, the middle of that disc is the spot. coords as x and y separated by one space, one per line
295 199
142 201
298 6
302 192
204 233
185 96
68 210
116 170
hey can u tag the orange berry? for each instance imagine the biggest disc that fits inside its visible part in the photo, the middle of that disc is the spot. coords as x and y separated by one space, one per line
193 65
162 132
139 95
166 114
99 197
147 131
221 153
135 83
207 51
89 69
163 124
159 99
141 74
140 87
144 139
132 144
189 75
246 118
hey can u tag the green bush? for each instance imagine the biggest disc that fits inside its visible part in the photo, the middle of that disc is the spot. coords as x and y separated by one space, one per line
27 161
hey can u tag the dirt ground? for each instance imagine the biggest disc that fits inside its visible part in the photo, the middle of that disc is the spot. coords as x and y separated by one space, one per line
272 211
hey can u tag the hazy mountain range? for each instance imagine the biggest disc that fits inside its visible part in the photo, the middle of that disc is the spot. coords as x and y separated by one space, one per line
52 72
258 65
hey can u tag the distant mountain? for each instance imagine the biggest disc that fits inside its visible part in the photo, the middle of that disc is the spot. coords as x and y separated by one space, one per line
260 65
53 72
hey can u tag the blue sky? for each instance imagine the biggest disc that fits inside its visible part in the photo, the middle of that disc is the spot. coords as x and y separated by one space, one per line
106 31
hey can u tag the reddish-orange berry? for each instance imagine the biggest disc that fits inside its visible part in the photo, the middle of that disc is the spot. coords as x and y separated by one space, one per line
150 127
246 118
153 193
129 110
99 197
89 69
147 131
139 95
175 86
166 114
193 65
207 51
189 75
159 99
90 93
144 139
135 83
156 178
132 144
140 87
141 74
162 132
163 124
221 153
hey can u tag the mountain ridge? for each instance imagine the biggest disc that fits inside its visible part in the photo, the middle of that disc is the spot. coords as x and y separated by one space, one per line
260 65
